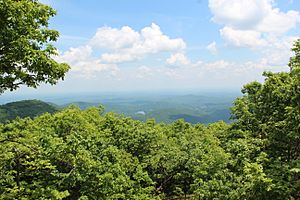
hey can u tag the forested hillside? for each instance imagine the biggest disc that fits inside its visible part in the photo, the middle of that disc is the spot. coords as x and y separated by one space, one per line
77 154
26 108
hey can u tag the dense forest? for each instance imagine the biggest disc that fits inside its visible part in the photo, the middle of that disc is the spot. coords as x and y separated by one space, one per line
75 154
90 154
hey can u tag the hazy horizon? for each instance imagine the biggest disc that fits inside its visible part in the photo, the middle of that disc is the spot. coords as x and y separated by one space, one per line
69 97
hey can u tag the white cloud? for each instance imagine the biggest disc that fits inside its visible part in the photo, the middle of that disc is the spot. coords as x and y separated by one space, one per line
239 13
242 38
212 48
133 45
278 52
80 59
154 40
257 15
278 22
119 57
177 60
75 55
258 25
112 38
119 45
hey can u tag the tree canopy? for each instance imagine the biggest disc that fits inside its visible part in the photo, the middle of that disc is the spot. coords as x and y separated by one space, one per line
270 112
25 45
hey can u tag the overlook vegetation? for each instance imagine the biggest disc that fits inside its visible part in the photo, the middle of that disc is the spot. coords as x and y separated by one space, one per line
89 154
75 154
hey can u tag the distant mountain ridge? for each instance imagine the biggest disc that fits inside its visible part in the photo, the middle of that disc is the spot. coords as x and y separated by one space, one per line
192 108
25 108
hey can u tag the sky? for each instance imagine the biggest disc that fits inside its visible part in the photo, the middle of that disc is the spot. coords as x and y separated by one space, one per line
143 45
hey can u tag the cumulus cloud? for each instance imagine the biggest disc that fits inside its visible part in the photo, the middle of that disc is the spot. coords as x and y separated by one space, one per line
278 22
177 60
274 50
119 57
131 45
212 48
258 25
258 15
112 38
278 51
242 38
119 46
243 14
253 23
80 59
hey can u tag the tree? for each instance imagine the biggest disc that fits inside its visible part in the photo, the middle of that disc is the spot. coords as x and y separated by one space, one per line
25 45
69 155
270 111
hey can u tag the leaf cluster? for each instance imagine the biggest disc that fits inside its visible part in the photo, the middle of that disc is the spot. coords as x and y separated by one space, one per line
26 49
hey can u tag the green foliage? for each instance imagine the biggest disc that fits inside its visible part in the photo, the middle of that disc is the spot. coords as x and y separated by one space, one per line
26 108
68 155
75 154
25 45
270 112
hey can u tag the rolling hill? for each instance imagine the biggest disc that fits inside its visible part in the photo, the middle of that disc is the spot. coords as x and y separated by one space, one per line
25 108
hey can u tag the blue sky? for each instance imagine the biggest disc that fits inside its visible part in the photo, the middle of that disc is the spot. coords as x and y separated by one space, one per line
128 45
